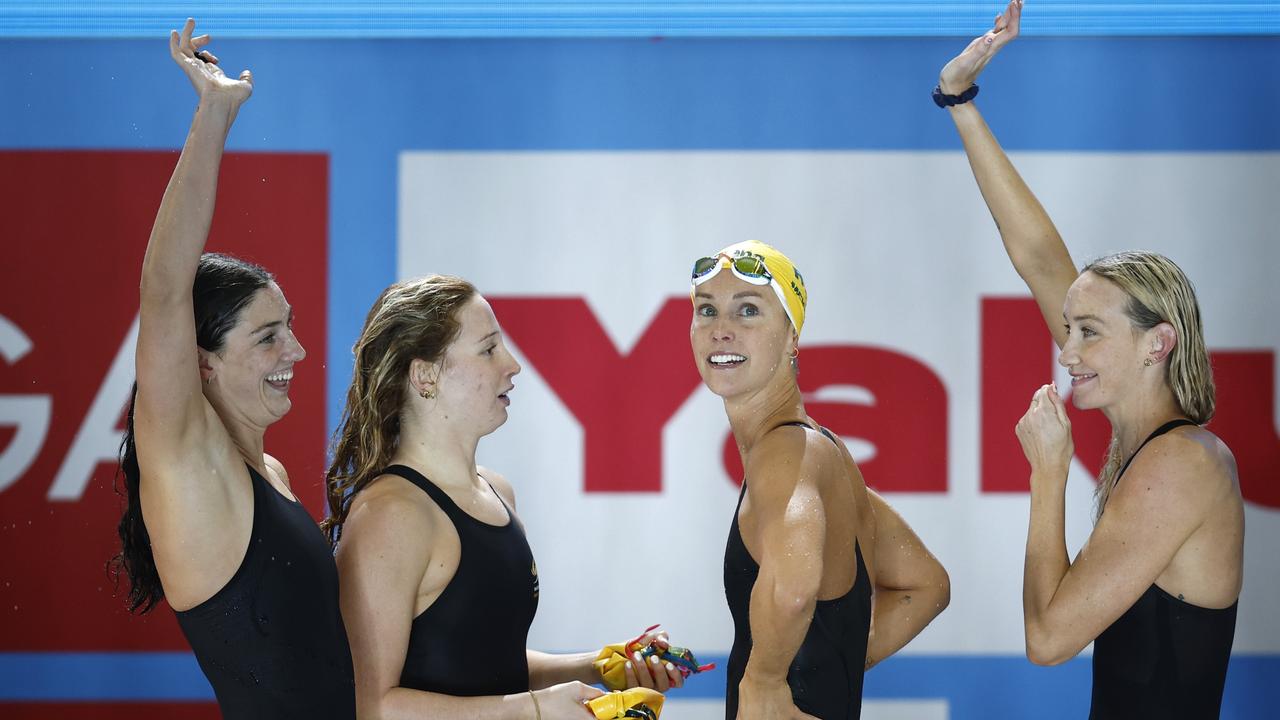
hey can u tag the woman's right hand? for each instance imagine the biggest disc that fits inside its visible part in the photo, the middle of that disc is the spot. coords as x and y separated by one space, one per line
201 67
964 69
566 701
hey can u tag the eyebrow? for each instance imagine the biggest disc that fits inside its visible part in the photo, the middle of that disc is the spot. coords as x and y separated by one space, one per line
486 337
1081 318
736 296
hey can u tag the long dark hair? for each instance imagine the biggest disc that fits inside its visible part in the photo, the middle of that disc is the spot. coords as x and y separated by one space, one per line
224 285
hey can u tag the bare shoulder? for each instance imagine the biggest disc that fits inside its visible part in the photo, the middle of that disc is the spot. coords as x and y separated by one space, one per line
1188 464
788 459
500 484
388 509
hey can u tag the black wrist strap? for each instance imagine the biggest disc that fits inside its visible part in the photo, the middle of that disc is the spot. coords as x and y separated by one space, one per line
944 101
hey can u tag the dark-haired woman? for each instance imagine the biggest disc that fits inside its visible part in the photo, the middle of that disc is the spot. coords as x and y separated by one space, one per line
211 524
1155 586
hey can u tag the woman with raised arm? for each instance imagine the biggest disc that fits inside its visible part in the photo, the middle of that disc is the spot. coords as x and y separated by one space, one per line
211 524
1155 586
822 577
439 585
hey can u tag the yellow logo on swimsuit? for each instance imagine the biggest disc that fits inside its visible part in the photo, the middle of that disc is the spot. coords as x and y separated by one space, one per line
533 570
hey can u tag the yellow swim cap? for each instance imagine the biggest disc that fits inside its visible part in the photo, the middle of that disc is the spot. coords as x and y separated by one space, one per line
758 263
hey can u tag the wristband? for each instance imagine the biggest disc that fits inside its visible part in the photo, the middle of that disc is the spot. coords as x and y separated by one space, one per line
943 100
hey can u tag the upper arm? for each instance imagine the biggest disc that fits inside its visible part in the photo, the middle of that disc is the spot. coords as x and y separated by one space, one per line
1049 281
170 404
380 568
902 562
783 477
1160 501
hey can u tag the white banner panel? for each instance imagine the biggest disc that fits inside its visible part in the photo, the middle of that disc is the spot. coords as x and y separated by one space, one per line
900 255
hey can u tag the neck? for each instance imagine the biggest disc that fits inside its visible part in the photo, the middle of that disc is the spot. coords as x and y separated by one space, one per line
751 416
1139 415
245 436
434 447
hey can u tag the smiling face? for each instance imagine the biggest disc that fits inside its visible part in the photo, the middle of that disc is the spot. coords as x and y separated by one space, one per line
252 372
1104 352
477 371
741 337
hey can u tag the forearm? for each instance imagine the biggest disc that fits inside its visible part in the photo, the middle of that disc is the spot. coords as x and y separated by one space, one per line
1029 237
1046 558
405 704
546 669
186 211
899 614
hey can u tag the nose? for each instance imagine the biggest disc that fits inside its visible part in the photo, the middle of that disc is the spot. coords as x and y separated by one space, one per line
721 331
294 352
513 365
1068 355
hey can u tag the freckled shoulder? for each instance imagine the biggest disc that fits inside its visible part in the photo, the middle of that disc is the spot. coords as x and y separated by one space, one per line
1187 464
786 458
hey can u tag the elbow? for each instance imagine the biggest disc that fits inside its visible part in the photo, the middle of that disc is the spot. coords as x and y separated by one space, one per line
943 586
1044 649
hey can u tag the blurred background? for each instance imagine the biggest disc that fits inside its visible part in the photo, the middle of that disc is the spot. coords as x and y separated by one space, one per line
572 159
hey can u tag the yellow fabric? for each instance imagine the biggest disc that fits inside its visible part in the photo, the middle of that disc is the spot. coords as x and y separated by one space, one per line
611 663
787 281
615 704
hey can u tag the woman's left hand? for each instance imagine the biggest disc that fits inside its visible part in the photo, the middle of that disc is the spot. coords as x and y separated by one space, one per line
767 701
1045 433
653 672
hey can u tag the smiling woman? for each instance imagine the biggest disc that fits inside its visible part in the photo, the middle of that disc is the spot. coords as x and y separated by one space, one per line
810 546
1155 586
211 523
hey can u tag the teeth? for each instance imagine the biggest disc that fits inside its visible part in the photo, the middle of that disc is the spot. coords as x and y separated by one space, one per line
285 376
722 358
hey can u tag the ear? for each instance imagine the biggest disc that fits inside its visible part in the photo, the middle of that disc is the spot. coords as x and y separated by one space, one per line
205 361
1164 340
423 375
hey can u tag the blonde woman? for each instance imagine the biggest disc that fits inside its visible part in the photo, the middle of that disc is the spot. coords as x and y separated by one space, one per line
810 546
438 584
1155 586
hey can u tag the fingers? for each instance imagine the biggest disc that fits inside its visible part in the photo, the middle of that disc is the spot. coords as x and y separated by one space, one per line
185 39
661 681
206 56
201 40
246 76
588 692
1059 407
675 678
629 674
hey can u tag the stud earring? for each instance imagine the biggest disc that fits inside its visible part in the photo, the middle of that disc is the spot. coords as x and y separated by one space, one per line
426 394
1147 362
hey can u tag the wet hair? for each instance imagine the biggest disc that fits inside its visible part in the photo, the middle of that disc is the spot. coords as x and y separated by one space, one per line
411 320
223 286
1159 292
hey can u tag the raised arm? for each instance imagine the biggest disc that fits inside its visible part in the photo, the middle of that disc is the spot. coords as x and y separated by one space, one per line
911 586
792 522
1031 240
170 407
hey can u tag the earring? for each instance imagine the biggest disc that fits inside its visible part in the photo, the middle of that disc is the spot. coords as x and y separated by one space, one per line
426 394
1147 362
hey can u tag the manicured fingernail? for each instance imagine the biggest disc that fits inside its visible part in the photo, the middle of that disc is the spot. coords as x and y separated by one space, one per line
629 665
671 668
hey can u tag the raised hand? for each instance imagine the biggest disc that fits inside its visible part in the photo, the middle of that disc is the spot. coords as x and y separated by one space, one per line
1045 434
201 67
963 70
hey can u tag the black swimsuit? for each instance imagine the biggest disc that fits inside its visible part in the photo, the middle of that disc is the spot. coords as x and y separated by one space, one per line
271 641
471 640
826 674
1164 658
